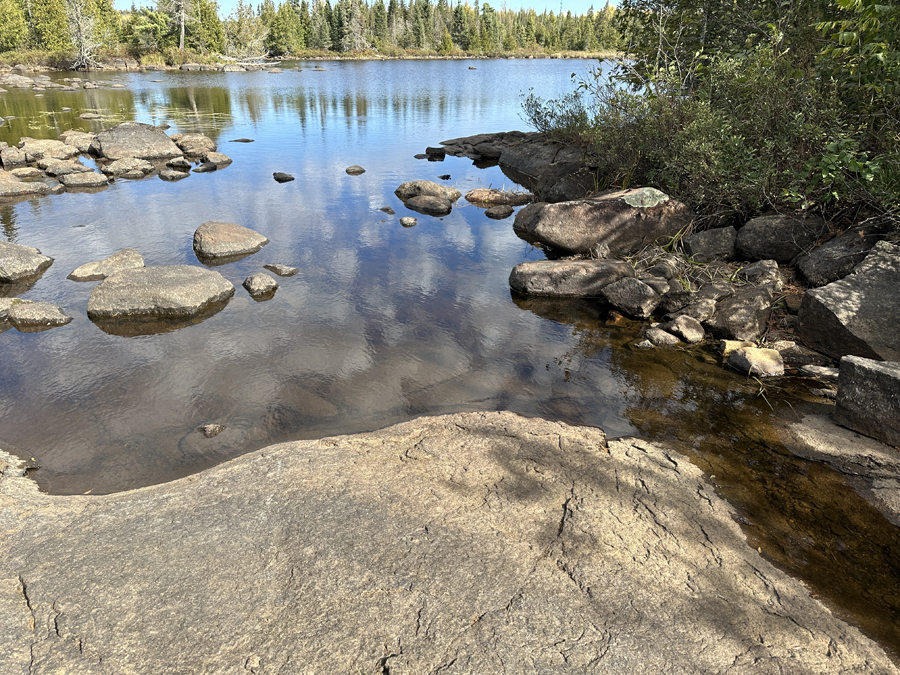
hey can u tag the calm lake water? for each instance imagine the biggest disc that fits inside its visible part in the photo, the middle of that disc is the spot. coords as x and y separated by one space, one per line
383 323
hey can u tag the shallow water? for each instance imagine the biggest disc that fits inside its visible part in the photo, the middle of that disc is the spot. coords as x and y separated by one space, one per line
383 323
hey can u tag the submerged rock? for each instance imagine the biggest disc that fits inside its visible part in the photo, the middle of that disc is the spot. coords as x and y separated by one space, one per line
282 270
19 262
214 239
125 259
217 158
567 278
172 176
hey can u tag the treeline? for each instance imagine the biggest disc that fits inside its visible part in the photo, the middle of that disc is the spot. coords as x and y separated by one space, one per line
296 26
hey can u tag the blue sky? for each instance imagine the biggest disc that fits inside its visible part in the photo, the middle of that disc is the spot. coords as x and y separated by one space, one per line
574 6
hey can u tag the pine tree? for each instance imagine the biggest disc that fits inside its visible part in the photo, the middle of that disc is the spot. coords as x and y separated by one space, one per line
13 27
49 25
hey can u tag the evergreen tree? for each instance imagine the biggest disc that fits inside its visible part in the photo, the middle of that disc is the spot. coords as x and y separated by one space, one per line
380 24
205 32
319 27
13 27
354 37
49 25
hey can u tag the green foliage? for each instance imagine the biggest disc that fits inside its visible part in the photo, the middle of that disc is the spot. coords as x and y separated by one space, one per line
149 31
13 27
49 26
205 32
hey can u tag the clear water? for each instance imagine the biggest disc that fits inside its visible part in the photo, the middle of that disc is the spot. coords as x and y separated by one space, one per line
383 323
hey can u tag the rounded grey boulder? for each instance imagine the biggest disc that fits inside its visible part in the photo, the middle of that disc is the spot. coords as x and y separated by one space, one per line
19 262
260 284
30 317
214 239
134 139
419 188
125 259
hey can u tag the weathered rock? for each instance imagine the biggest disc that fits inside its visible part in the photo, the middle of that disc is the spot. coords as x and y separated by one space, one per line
567 278
742 316
868 398
205 167
11 186
12 157
499 212
87 179
355 170
509 530
282 270
134 139
727 347
437 152
179 164
128 165
19 262
836 259
217 158
578 185
282 177
79 140
762 273
857 315
492 197
625 220
28 172
756 361
701 309
149 293
687 328
194 144
43 148
801 356
214 239
709 245
778 238
408 221
172 175
125 259
260 284
539 163
62 167
189 66
660 338
420 188
632 296
658 284
429 205
211 430
30 317
824 373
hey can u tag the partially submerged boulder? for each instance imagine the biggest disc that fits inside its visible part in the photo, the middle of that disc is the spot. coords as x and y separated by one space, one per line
134 139
418 188
128 166
214 239
868 398
624 220
13 186
260 285
62 167
19 262
194 144
43 148
125 259
632 296
757 362
429 205
494 197
567 278
857 315
87 179
31 317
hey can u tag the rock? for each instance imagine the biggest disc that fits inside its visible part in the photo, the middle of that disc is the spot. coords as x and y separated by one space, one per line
179 164
11 186
438 152
194 144
12 157
282 270
446 176
536 162
578 185
30 317
388 210
660 338
701 309
687 328
632 296
62 167
742 316
408 221
419 188
214 239
756 361
5 304
150 293
355 170
19 262
27 172
868 398
134 139
778 238
128 165
658 284
667 268
125 259
857 315
79 140
36 149
726 347
190 66
567 278
88 179
499 212
274 70
241 140
504 565
217 158
492 197
89 115
260 284
643 344
824 373
210 430
762 273
801 356
836 259
206 167
282 177
172 176
624 220
709 245
429 205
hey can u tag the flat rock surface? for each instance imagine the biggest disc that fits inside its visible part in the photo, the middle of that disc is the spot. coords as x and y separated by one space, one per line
87 179
567 278
134 139
30 316
19 262
214 239
125 259
167 292
470 543
12 186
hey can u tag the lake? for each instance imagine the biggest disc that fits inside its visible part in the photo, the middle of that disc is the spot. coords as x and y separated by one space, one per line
383 323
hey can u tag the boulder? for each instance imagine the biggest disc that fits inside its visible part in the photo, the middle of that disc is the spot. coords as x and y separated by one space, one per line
194 144
26 172
762 273
429 205
134 139
214 239
756 361
12 186
438 152
701 309
79 140
779 238
857 315
36 149
836 259
660 338
179 164
205 167
151 293
868 398
128 165
260 284
19 262
172 176
355 170
624 220
282 270
578 185
470 543
493 197
87 179
12 157
709 245
61 167
539 163
217 158
125 259
632 296
687 328
499 212
742 316
282 177
30 317
427 188
408 221
567 278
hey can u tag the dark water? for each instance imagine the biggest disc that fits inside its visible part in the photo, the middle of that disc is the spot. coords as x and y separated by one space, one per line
383 323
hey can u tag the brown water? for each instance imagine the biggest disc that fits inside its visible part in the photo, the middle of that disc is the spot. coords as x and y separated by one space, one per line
383 323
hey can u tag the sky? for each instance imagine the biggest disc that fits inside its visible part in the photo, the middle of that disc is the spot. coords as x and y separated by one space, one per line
574 6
